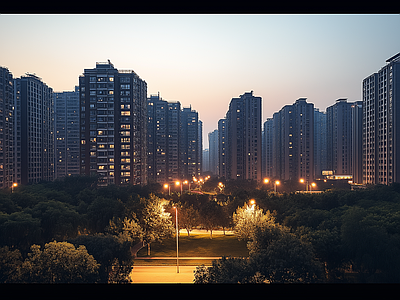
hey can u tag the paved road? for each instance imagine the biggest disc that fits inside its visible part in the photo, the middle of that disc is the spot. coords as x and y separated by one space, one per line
162 274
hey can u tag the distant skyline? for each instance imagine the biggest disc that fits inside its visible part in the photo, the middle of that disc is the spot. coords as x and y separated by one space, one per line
206 60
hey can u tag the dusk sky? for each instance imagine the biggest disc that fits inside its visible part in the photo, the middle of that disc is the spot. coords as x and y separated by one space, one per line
206 60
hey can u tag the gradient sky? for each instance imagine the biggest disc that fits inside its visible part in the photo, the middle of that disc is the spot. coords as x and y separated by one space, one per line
206 60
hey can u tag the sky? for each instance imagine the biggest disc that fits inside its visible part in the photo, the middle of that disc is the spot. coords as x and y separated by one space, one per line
205 60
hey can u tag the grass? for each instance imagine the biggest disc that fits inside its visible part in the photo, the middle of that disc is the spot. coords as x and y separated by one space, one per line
197 245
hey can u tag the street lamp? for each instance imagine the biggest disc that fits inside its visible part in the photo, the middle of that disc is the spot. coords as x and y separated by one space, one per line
179 183
167 186
302 181
277 182
177 243
266 180
187 182
313 185
252 202
14 185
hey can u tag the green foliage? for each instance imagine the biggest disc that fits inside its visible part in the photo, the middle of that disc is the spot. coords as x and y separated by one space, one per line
10 265
59 262
111 253
247 218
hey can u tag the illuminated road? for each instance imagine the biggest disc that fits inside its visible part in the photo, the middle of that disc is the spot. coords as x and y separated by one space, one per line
162 274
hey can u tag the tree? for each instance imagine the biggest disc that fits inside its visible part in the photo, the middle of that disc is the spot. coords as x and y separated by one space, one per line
10 265
155 222
188 217
247 218
288 260
19 230
111 253
227 270
59 262
210 214
58 220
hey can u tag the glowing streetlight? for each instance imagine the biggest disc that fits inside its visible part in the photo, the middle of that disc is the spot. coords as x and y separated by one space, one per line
302 181
179 183
252 202
187 182
313 185
266 180
277 182
167 186
14 185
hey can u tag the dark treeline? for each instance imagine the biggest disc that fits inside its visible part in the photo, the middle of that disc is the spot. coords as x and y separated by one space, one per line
354 234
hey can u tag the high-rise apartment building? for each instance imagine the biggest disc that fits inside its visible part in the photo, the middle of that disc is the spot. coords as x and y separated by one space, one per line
191 145
213 152
293 141
357 167
113 125
381 124
6 129
163 132
66 129
34 130
267 158
244 138
320 147
339 137
222 148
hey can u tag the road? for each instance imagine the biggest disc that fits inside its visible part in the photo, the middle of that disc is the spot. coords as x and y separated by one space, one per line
162 274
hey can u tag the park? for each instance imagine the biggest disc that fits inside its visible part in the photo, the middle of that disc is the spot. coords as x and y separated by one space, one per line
73 231
194 250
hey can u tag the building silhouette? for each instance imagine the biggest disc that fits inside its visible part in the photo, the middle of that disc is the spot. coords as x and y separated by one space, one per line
34 130
293 141
267 152
163 132
339 137
243 122
357 142
222 148
66 130
381 124
191 150
213 152
320 146
113 125
7 129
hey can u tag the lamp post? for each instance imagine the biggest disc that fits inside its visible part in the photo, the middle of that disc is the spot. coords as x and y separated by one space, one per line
187 182
179 183
277 182
302 181
13 186
312 185
177 243
167 186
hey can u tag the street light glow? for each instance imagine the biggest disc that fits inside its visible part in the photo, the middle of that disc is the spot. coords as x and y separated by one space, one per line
266 180
301 180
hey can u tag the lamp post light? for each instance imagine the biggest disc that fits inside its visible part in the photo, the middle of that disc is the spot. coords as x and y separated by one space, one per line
179 183
177 242
167 186
252 202
313 185
302 181
14 185
277 182
187 182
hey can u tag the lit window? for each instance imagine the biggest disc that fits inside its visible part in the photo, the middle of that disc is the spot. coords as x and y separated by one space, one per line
125 113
